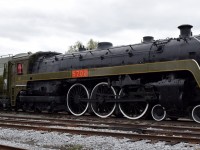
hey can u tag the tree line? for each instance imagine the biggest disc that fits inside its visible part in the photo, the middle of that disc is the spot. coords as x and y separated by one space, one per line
91 44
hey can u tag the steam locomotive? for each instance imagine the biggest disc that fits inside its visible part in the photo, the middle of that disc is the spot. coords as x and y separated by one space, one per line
160 78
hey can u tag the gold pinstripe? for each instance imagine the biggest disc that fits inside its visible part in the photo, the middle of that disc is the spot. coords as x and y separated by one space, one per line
178 65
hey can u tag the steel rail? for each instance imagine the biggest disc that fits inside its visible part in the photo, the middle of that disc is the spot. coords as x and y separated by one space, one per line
134 136
152 135
138 129
128 125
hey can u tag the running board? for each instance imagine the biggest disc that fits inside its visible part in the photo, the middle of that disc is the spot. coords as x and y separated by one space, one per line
42 99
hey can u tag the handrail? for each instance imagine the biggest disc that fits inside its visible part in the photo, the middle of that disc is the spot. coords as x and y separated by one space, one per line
8 55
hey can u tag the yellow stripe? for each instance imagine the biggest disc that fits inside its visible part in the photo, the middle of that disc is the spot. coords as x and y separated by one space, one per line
178 65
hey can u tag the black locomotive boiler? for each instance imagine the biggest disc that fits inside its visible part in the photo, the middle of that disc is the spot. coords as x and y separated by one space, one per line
157 77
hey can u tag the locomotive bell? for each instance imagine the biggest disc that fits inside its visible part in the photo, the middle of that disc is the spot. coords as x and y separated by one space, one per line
104 45
185 30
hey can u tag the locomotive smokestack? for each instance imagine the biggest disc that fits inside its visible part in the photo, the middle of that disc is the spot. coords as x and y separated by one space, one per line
185 30
148 39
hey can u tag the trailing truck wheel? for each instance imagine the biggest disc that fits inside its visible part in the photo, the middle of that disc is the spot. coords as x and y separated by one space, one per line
103 95
75 96
158 112
132 110
196 113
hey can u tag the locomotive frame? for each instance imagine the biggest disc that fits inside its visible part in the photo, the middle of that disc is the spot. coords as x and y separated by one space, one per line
162 85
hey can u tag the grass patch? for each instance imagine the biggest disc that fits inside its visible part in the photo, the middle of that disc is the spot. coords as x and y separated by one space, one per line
72 147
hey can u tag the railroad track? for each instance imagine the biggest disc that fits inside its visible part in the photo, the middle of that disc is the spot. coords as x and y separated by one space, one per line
180 122
167 125
6 147
101 128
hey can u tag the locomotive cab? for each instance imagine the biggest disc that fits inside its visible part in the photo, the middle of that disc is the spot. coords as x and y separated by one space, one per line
17 67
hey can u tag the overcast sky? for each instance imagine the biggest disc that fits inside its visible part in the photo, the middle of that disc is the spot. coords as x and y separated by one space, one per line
54 25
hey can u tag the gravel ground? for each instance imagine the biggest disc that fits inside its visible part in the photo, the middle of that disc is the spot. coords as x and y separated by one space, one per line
38 140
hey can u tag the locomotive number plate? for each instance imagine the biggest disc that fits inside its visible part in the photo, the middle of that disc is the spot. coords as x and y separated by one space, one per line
79 73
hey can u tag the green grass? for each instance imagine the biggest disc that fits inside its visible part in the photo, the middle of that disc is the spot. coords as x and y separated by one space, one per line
72 147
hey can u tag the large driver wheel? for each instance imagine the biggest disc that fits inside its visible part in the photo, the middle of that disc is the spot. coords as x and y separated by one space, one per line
196 113
132 110
103 95
75 99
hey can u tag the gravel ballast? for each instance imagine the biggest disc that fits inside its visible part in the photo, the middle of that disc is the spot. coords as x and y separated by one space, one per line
39 140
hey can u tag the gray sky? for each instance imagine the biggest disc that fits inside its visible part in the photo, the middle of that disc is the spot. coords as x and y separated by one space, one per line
54 25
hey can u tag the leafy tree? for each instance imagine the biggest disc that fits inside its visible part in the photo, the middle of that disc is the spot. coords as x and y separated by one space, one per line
91 44
75 47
